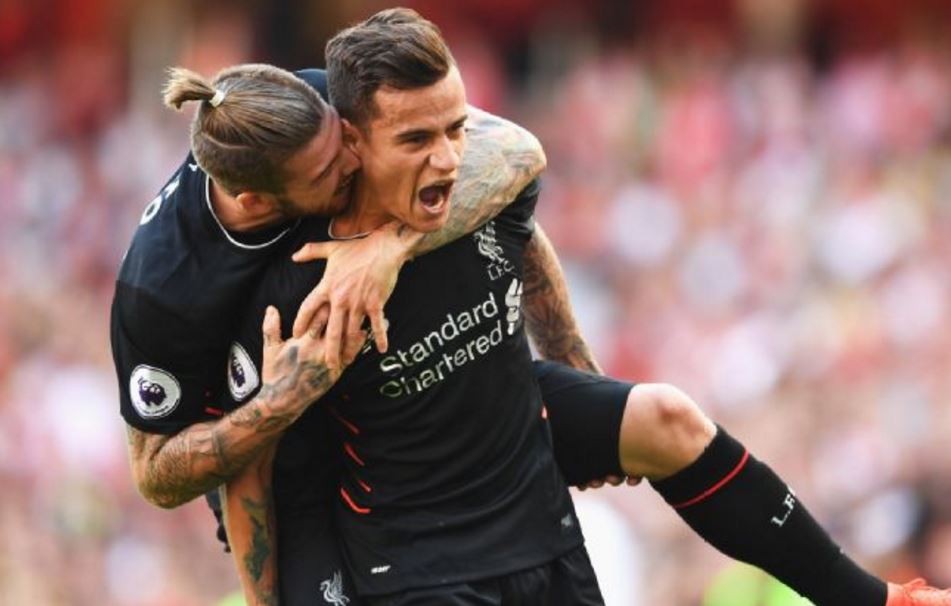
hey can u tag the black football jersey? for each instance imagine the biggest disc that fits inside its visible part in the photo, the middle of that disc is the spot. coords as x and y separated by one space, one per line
176 305
179 295
448 473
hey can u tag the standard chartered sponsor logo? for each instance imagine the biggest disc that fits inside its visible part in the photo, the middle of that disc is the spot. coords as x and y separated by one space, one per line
405 365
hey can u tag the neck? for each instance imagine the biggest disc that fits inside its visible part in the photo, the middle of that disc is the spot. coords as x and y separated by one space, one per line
362 215
234 217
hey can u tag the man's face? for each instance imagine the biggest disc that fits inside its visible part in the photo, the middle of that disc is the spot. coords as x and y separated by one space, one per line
410 152
318 177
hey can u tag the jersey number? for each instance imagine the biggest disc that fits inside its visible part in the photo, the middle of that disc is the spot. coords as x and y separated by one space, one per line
153 207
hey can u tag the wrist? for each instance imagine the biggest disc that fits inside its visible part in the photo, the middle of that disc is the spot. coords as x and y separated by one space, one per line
404 240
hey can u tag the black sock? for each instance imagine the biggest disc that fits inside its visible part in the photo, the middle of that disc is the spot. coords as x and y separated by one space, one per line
738 505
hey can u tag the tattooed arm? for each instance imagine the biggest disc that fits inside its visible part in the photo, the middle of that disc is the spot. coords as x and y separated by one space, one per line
549 318
170 470
248 508
501 158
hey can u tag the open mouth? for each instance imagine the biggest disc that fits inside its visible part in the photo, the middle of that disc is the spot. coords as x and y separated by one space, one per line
435 197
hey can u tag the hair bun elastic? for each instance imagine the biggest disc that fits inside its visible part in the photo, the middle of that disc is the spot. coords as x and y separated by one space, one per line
218 98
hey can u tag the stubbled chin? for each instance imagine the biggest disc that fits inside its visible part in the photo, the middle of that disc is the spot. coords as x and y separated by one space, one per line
340 201
430 223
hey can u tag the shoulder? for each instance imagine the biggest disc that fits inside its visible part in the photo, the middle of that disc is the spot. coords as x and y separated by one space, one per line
317 78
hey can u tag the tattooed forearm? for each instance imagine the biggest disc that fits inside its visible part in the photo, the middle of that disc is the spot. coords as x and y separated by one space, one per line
172 470
501 158
548 315
248 505
257 513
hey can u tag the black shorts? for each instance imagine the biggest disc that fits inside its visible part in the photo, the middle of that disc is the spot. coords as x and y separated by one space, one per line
584 413
311 569
566 581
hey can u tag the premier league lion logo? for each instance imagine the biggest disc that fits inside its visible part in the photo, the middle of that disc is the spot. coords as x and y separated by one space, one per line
154 392
151 393
237 372
243 377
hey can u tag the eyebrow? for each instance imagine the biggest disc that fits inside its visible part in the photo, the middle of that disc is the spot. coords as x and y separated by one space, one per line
415 132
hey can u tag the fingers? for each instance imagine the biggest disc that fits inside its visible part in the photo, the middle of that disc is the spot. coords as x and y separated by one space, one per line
308 309
614 480
634 480
378 324
334 336
355 322
352 346
313 251
271 327
319 324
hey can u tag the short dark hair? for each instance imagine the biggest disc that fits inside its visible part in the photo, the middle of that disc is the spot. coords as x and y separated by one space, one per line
262 116
396 48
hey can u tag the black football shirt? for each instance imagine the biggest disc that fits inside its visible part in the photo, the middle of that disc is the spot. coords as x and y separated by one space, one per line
448 473
179 295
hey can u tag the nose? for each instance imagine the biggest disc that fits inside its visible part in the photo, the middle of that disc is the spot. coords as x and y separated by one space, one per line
447 155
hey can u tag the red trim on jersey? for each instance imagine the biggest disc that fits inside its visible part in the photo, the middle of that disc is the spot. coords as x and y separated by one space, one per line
353 428
214 411
706 494
364 485
353 455
353 506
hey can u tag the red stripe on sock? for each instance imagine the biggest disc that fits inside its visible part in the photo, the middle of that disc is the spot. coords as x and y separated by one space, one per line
708 492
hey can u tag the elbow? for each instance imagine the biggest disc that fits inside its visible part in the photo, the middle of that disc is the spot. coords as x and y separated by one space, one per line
152 492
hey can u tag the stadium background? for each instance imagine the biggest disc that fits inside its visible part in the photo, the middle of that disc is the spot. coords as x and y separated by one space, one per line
752 199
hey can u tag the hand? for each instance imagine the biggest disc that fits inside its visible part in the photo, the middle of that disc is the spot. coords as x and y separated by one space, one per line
359 279
286 363
612 480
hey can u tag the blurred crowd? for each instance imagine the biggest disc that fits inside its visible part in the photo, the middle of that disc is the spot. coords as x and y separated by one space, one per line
760 218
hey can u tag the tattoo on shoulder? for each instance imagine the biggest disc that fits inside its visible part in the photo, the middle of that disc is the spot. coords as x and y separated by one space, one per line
501 159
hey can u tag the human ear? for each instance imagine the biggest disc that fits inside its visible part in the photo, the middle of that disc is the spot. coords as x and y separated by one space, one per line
352 137
255 203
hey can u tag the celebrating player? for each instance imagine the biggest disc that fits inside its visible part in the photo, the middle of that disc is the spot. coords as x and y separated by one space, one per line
434 434
266 150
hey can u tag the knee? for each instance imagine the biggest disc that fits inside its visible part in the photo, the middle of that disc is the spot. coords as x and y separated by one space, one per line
663 431
666 409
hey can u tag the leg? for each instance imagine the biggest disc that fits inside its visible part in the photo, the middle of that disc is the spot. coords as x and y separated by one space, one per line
740 506
728 497
662 432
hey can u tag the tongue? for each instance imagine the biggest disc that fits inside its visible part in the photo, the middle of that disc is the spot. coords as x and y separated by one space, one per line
430 195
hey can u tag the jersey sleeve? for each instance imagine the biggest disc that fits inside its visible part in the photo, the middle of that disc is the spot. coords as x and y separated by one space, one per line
519 216
165 382
317 78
